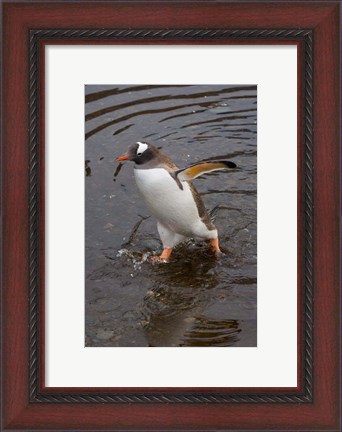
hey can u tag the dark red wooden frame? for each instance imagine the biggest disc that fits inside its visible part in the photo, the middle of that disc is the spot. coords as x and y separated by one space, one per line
18 19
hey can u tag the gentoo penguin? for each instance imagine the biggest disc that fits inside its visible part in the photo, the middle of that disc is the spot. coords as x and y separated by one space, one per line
172 198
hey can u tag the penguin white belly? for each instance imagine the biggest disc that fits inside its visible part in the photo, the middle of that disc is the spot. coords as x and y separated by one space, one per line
174 208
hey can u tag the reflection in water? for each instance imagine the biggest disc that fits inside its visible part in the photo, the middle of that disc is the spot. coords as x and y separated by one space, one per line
181 289
196 299
205 332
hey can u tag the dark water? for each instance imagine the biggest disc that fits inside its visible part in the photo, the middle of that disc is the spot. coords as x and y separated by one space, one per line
196 299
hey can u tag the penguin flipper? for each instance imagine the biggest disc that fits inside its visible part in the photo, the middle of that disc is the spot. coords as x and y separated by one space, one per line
193 171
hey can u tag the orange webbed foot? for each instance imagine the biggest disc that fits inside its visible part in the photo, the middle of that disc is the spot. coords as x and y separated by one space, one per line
214 246
163 258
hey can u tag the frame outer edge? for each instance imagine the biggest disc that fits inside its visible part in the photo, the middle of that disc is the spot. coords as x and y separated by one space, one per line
37 35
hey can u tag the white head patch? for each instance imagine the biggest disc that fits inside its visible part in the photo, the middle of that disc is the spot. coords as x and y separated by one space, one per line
142 147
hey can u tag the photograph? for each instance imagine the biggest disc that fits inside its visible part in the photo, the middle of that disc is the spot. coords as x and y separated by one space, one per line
170 215
170 206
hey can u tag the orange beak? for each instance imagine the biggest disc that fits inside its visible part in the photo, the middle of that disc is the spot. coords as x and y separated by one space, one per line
121 158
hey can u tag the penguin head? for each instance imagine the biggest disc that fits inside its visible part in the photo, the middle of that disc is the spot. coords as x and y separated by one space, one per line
140 153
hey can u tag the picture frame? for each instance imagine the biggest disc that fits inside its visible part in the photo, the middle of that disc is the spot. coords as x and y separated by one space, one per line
27 403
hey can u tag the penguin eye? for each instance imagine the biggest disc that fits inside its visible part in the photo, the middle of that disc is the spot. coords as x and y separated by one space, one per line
139 154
